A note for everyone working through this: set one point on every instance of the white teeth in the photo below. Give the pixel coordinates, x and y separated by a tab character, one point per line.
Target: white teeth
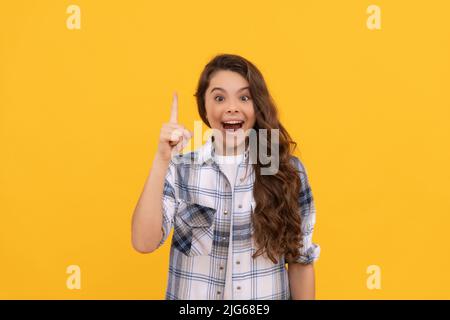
233	122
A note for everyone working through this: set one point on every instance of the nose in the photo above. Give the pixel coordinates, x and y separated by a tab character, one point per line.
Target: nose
232	109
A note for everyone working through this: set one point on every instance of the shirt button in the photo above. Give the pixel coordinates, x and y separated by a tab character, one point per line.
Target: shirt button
218	292
240	206
224	238
239	288
225	212
221	268
238	262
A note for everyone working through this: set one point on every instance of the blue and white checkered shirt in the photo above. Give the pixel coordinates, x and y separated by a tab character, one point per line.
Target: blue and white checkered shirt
200	204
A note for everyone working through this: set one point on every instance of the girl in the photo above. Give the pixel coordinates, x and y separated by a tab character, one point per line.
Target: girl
235	228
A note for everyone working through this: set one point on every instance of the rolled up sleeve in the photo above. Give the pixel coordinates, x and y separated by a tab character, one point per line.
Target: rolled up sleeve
310	251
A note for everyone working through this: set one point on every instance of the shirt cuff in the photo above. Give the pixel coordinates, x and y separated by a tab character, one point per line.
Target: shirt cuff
310	255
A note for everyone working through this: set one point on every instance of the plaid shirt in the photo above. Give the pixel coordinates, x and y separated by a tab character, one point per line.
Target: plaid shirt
200	204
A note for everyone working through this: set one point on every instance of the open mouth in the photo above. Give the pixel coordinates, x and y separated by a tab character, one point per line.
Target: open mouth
232	125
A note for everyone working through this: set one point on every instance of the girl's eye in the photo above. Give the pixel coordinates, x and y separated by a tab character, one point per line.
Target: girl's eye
218	97
246	98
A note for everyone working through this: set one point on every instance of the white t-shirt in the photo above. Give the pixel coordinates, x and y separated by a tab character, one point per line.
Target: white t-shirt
229	166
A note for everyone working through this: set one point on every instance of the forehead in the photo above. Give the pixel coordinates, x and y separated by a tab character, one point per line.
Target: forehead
228	80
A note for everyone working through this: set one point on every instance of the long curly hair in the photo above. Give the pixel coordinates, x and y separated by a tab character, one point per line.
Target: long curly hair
276	219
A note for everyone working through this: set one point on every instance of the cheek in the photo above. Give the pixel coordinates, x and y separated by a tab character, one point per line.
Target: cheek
210	112
213	119
251	117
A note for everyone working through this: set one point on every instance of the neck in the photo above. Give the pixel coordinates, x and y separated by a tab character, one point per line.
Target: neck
224	150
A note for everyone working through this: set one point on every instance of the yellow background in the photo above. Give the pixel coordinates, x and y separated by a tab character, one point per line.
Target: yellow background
81	110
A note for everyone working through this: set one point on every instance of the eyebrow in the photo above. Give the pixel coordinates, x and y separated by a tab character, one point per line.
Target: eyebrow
218	88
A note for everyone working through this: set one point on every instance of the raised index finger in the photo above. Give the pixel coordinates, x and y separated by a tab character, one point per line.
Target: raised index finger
174	109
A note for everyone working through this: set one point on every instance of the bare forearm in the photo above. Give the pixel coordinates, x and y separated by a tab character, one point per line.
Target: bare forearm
147	216
301	281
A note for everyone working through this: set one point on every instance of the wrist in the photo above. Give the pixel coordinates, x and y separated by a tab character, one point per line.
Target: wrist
160	161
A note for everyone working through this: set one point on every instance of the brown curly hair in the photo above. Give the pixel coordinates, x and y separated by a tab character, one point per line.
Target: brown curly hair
276	219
